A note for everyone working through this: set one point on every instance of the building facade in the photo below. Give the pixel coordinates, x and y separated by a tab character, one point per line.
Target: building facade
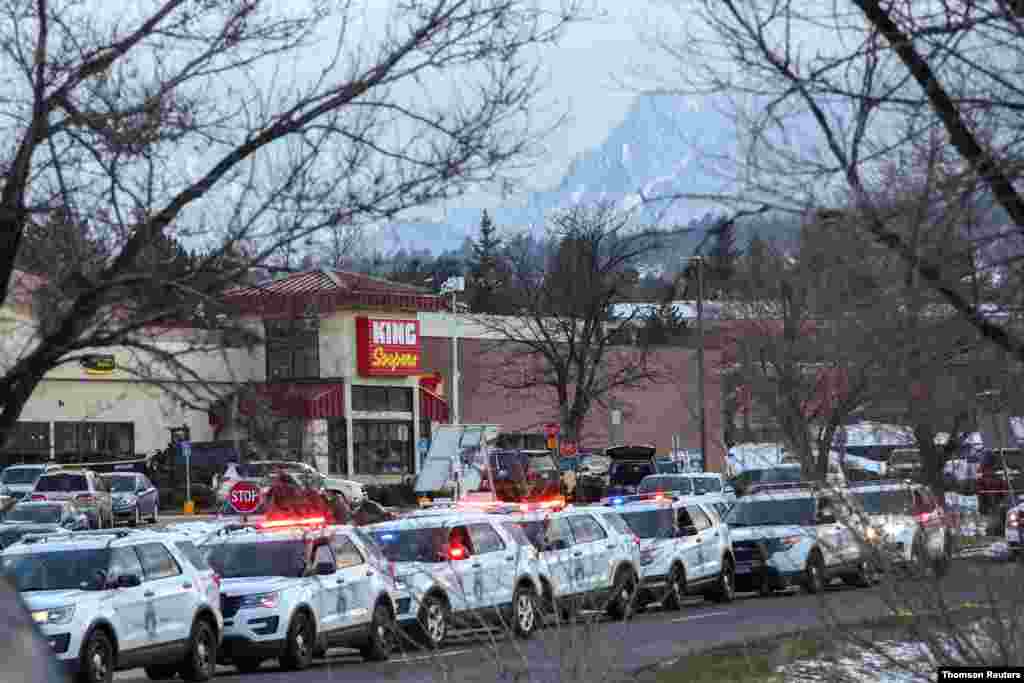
354	374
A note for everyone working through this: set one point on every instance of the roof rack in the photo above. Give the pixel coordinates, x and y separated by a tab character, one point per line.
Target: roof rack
879	482
112	534
783	486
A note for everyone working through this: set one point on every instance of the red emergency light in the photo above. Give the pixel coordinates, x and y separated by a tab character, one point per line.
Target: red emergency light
282	523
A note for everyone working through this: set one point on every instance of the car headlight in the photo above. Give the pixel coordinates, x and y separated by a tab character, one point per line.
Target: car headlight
127	500
264	600
55	616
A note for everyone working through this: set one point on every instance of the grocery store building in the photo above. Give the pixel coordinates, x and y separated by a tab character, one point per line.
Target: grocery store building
354	373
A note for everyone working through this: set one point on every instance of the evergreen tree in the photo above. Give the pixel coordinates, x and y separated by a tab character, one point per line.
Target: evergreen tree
722	261
486	275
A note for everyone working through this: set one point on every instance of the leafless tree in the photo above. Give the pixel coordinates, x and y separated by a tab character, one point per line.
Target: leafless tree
826	94
240	127
568	337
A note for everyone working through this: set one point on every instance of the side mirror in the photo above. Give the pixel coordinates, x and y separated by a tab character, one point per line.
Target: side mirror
326	568
128	581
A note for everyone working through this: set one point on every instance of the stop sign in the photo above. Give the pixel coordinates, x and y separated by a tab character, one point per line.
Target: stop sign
245	497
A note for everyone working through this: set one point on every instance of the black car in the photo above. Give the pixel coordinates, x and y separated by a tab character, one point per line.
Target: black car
629	466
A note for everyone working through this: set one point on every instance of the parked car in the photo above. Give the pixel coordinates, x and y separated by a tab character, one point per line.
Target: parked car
630	464
87	489
746	479
30	517
354	491
17	481
263	471
133	496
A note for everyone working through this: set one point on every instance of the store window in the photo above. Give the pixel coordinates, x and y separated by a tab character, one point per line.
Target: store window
381	399
293	349
93	441
383	447
27	442
337	443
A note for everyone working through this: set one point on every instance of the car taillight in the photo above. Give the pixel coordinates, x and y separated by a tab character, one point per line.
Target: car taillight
924	517
456	552
1012	519
216	581
38	496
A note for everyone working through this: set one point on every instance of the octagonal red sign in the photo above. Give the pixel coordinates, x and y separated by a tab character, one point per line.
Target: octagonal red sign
245	497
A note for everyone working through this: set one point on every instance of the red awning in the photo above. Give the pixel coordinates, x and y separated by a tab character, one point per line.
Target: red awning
314	401
433	407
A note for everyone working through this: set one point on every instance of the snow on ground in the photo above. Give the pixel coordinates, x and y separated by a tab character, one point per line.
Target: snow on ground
894	661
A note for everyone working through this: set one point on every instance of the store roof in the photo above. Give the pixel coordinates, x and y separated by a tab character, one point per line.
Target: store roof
328	290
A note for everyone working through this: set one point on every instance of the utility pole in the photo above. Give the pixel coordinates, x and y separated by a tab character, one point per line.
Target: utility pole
700	364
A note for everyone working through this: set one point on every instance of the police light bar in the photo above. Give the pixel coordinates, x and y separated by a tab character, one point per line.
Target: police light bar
639	498
284	523
505	507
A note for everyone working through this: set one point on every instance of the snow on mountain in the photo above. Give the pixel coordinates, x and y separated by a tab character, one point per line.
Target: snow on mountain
656	152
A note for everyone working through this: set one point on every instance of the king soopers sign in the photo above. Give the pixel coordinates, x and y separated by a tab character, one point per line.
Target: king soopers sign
387	348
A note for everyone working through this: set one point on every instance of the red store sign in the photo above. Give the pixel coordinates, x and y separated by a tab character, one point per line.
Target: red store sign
387	348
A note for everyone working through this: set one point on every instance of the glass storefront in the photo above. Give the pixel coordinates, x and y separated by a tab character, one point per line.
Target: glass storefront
93	441
28	443
383	447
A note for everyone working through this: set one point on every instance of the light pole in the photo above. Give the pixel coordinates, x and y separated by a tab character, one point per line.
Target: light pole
699	260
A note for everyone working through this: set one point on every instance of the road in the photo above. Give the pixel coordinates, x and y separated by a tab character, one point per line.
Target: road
605	650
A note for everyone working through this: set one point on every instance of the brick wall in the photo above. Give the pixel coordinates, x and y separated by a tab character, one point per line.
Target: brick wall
651	413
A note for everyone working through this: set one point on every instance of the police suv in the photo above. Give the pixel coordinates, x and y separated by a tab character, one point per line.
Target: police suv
795	534
904	521
684	548
292	589
589	557
461	570
114	600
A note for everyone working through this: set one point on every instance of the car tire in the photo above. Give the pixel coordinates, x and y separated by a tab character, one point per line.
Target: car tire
137	519
161	672
246	665
156	513
431	628
814	575
864	576
621	604
382	635
525	612
676	589
200	662
725	588
97	659
298	648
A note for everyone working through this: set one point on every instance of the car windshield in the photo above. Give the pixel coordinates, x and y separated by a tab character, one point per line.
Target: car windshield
44	514
20	475
674	484
411	545
250	471
542	462
58	570
650	523
774	512
630	473
892	502
667	466
775	474
270	558
703	485
62	482
122	484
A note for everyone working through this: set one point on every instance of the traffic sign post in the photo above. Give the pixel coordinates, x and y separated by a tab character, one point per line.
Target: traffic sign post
245	497
185	448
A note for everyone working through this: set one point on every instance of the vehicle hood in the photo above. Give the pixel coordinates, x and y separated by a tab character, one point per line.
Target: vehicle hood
49	599
757	533
631	452
31	527
249	585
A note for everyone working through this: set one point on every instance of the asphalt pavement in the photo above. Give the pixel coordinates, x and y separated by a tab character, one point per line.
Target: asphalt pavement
603	650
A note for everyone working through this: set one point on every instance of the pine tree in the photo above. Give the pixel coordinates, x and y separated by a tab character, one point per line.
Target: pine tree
486	273
722	260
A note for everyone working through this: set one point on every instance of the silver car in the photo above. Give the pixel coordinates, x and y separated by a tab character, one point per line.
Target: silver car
89	492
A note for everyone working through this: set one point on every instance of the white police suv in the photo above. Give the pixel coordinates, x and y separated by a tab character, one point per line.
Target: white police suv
114	600
461	570
589	558
292	589
904	521
795	534
684	548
